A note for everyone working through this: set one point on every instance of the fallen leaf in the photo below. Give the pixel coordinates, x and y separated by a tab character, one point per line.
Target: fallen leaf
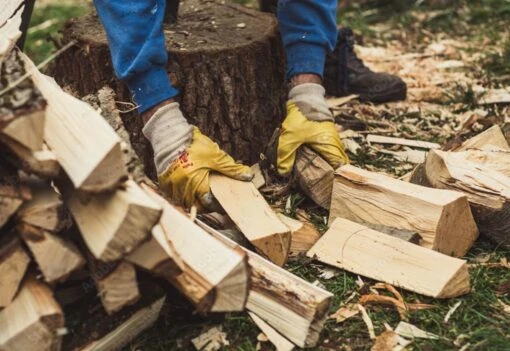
211	340
345	312
408	330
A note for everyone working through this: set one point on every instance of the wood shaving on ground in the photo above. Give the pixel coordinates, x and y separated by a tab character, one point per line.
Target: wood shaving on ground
503	263
345	312
504	307
390	341
339	101
411	331
401	306
211	340
451	311
368	321
327	273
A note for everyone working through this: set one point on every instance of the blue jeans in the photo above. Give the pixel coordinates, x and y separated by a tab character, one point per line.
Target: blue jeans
135	33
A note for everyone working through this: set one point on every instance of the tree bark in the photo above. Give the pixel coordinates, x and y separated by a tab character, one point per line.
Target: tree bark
226	59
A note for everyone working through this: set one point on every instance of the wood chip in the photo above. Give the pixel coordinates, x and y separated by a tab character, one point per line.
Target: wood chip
211	340
452	311
345	312
408	330
368	321
379	139
339	101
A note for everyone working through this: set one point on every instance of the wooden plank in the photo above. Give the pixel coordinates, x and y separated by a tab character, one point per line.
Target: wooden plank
252	214
32	321
113	224
304	235
491	136
379	139
361	250
74	129
46	209
117	286
487	190
279	342
315	176
56	256
211	275
14	261
290	305
140	321
442	218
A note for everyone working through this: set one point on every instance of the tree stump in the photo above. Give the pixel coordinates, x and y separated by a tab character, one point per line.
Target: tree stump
227	60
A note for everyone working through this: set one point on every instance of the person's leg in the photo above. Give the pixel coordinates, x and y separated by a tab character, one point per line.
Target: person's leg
137	45
308	29
183	156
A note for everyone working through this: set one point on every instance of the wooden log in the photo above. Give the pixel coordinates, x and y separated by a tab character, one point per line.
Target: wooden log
140	321
104	100
42	163
33	321
487	191
56	256
46	209
113	224
12	192
74	129
492	136
314	176
361	250
22	108
212	276
290	305
252	214
116	284
14	261
304	234
156	256
225	76
442	218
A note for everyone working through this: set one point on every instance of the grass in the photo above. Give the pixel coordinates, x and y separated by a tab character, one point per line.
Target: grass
479	321
47	20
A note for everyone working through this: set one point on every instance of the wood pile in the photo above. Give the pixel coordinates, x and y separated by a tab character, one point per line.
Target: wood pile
80	231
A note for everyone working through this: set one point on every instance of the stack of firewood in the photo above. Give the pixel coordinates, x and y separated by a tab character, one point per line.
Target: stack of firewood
72	211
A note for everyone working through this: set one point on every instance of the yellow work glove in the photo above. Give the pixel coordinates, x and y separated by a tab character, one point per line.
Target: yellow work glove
186	180
321	136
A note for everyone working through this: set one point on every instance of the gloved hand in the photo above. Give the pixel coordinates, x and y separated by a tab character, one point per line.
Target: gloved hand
186	180
319	134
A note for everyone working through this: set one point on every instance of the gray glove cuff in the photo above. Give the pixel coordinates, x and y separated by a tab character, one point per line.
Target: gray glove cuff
169	133
309	97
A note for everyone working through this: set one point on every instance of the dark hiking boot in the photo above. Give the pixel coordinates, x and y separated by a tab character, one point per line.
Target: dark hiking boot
345	74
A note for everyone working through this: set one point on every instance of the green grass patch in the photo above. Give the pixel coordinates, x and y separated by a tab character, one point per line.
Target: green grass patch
45	24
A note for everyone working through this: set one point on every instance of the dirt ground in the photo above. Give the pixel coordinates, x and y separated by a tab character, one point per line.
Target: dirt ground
455	59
